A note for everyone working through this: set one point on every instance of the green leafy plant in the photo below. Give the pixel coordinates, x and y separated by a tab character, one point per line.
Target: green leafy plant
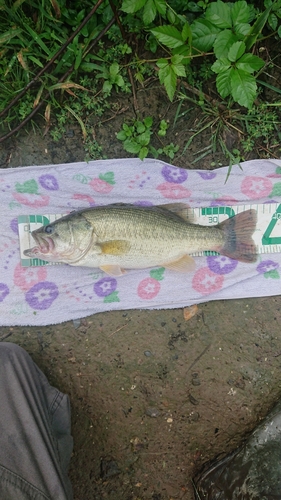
170	150
112	77
163	127
226	30
275	15
260	125
136	137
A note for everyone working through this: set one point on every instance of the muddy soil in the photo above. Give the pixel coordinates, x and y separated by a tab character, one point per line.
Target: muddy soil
153	396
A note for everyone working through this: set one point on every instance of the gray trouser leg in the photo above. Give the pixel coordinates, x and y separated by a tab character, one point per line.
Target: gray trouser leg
35	440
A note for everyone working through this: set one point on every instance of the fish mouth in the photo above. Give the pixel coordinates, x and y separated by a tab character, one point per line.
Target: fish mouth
45	245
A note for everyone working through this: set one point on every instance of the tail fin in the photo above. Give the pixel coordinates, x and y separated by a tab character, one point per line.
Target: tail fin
238	230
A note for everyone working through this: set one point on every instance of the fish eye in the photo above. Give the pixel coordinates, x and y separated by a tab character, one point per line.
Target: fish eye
48	229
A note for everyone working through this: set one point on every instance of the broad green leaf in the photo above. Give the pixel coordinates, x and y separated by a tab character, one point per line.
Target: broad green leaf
203	34
149	12
170	83
176	59
179	69
177	65
122	136
273	21
148	121
240	12
168	35
140	127
132	6
223	83
236	51
279	31
161	63
119	81
243	87
186	32
114	69
131	147
250	63
224	40
171	16
220	65
219	14
107	86
185	52
257	28
143	153
161	6
144	139
127	129
164	70
242	29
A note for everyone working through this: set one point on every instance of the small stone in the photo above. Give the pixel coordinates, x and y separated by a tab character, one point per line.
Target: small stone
195	379
148	354
193	400
152	412
76	323
108	468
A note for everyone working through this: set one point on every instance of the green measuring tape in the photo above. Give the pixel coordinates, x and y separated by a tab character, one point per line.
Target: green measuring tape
267	235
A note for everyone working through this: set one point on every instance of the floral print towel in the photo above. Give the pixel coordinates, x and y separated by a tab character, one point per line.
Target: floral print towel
52	294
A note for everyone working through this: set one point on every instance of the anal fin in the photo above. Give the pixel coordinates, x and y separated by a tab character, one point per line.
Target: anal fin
185	264
113	270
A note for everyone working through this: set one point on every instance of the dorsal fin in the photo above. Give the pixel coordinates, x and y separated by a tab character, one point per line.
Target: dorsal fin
182	210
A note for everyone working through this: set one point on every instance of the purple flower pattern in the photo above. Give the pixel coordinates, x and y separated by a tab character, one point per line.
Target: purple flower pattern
49	182
174	174
220	264
42	295
14	225
4	291
207	175
105	286
267	265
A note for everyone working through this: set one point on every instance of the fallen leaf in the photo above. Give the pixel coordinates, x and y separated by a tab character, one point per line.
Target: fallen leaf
189	312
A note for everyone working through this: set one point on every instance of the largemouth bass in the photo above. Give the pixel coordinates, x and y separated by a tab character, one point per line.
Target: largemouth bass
119	237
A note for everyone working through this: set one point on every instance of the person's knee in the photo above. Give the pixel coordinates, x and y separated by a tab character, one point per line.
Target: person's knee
9	349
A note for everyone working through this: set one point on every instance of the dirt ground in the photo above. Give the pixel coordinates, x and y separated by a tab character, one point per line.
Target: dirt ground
153	396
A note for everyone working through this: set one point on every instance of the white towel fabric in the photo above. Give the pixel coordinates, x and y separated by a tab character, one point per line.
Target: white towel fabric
52	294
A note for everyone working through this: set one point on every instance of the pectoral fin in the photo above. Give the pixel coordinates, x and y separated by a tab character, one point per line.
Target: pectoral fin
185	264
115	247
112	270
